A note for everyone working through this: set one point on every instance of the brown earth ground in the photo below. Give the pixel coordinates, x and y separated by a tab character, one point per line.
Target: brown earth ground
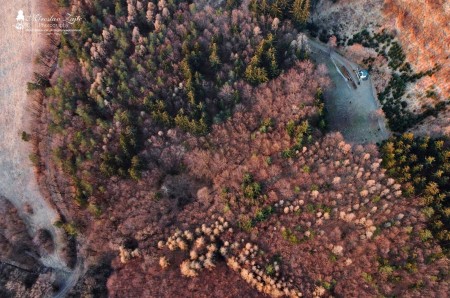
17	179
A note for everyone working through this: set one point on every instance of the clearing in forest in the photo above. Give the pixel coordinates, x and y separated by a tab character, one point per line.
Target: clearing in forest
352	109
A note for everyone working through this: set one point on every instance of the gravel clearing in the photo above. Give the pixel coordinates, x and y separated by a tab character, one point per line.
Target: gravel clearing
353	112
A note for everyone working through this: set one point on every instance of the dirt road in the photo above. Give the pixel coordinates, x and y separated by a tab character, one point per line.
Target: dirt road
351	111
17	179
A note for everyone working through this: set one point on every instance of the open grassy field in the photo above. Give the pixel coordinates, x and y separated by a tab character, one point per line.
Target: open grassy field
17	179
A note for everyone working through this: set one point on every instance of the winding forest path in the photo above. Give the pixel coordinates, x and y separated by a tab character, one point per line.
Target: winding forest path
17	179
353	112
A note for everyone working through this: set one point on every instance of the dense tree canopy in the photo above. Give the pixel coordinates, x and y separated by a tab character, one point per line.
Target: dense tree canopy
168	62
201	127
423	165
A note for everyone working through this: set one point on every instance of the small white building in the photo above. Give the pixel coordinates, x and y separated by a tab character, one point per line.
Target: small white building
363	74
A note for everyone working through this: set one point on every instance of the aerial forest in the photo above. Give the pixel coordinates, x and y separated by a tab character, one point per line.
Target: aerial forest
189	148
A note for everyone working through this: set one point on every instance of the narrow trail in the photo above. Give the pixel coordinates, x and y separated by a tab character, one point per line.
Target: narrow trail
17	179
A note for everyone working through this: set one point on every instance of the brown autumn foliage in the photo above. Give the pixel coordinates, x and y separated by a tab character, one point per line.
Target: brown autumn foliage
347	229
15	282
241	146
16	243
340	226
19	265
362	218
424	33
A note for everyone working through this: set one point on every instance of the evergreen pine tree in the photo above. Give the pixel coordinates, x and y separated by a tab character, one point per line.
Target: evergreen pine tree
300	10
